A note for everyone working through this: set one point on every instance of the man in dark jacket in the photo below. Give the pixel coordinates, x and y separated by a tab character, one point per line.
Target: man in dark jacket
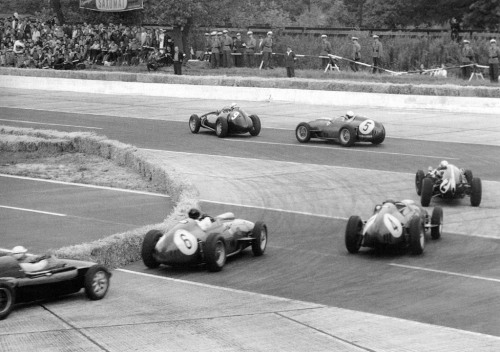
467	59
178	59
290	62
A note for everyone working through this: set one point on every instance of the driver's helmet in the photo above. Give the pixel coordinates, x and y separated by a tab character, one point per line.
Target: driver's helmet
349	114
443	164
234	106
194	213
18	252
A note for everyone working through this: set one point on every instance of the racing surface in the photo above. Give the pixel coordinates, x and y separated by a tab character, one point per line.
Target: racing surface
456	283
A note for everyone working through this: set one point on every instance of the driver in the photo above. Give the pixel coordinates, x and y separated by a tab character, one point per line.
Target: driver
203	220
348	115
226	109
29	262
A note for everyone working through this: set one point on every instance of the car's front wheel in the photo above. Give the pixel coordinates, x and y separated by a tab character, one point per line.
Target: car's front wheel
221	127
303	132
476	192
259	234
215	252
148	248
96	282
256	125
380	137
194	123
419	177
417	236
7	299
353	234
426	192
347	136
437	223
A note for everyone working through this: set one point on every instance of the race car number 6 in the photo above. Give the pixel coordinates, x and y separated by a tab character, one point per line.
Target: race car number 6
185	242
366	127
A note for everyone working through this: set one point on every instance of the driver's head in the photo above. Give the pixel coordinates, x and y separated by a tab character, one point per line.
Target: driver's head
19	252
234	106
194	213
443	164
349	114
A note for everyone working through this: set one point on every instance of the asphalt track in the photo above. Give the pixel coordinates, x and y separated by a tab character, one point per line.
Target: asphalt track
455	284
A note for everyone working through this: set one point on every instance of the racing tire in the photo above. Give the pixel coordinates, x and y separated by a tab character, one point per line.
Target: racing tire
437	222
259	233
380	137
353	234
148	248
426	192
96	282
221	127
476	192
7	300
468	176
194	123
303	132
215	252
347	136
417	236
419	177
256	125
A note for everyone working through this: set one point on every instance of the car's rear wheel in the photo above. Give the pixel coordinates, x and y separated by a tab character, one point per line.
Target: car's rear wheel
215	252
380	137
259	234
96	282
353	234
347	136
148	248
419	177
437	223
221	127
7	299
194	123
256	125
417	236
426	192
303	132
476	192
468	176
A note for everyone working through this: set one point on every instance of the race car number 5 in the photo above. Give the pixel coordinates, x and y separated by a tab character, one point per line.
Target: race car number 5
366	127
185	242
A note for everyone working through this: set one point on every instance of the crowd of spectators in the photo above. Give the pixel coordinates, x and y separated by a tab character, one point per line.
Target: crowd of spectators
31	42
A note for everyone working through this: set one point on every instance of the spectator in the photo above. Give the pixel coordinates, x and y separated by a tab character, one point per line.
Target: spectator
377	52
290	62
493	56
267	50
178	58
455	29
250	49
356	54
239	50
227	47
207	47
467	60
326	49
215	56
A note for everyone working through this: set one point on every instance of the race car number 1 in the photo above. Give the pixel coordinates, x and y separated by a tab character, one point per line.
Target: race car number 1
185	242
366	127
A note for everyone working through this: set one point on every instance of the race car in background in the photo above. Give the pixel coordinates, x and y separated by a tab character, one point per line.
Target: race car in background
346	130
402	224
448	182
229	120
202	239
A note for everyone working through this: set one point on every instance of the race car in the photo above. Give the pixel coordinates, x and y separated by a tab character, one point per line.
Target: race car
448	182
203	239
68	276
346	130
228	120
402	224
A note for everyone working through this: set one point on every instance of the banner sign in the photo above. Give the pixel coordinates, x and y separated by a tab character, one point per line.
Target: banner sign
112	5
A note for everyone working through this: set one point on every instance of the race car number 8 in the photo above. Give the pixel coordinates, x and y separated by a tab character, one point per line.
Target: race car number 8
366	127
185	242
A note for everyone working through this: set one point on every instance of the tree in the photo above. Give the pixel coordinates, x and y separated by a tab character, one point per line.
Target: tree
484	14
357	7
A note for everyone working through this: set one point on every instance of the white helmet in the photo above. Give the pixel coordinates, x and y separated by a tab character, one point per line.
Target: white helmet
443	163
349	114
234	106
18	252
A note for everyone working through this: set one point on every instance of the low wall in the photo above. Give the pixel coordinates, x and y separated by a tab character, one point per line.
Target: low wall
118	249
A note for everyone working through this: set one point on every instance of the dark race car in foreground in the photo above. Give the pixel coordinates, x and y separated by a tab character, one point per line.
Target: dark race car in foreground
203	240
401	224
229	120
69	276
448	182
346	130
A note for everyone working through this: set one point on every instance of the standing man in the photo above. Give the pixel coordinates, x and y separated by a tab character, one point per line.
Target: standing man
178	59
467	59
267	50
250	49
326	49
208	47
493	54
356	54
215	56
377	53
239	50
227	48
290	62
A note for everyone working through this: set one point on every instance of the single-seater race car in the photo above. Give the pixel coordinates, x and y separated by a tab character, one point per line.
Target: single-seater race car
229	120
203	239
402	224
346	130
63	278
449	182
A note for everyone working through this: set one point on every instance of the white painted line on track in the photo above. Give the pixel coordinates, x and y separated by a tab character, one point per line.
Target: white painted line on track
342	149
32	210
50	124
446	272
87	186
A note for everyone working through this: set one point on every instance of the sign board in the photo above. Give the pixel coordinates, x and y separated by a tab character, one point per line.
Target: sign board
112	5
